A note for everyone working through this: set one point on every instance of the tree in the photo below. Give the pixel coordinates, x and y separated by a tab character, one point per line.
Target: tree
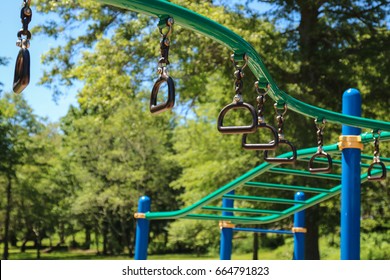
17	124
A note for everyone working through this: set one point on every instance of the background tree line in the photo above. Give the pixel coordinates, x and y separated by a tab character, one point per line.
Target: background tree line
86	173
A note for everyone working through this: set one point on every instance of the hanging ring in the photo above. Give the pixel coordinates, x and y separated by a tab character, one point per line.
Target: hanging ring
159	108
320	154
260	147
22	71
237	129
377	164
289	160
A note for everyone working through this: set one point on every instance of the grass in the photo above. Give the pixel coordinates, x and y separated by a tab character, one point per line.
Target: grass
375	246
281	253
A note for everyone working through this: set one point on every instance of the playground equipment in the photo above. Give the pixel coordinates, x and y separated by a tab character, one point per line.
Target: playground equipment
350	145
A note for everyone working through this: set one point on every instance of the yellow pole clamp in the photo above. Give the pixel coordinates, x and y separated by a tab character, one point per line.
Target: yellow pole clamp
350	141
226	224
139	215
299	229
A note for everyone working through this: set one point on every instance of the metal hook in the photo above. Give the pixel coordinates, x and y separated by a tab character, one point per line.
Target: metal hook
245	58
376	161
320	153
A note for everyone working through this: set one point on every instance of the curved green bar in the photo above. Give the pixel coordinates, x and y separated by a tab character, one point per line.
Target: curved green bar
198	23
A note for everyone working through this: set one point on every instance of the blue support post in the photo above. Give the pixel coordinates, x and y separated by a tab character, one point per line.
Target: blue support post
142	232
299	230
350	182
225	251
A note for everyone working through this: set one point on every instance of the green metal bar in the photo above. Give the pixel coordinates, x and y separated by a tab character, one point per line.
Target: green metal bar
286	187
231	186
309	203
371	157
304	173
241	210
233	219
198	23
338	162
264	199
176	214
367	137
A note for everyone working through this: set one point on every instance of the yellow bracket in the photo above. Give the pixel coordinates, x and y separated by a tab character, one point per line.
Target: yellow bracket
299	229
226	224
139	215
350	141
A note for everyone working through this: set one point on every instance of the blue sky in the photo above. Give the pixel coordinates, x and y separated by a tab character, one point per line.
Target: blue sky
39	97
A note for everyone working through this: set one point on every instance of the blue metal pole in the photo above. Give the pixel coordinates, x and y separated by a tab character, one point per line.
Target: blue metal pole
350	182
225	251
299	230
142	232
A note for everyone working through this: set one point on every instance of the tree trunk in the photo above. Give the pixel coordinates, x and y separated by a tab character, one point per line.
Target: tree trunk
62	233
7	218
105	237
312	251
255	246
23	248
38	243
87	243
96	229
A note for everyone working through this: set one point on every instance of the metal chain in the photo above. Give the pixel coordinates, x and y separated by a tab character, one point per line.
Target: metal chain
280	120
376	146
260	102
320	134
238	82
25	16
164	46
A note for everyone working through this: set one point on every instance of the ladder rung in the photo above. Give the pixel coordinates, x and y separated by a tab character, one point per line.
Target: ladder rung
260	230
241	210
264	199
304	173
371	157
286	187
234	219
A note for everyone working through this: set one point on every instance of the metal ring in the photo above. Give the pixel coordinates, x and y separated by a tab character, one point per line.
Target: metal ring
289	160
237	129
327	169
377	178
259	147
159	108
22	71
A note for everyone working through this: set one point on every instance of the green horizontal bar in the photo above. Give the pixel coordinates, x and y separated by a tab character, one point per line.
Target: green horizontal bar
264	199
233	219
217	32
367	137
339	162
371	157
285	187
304	173
241	210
